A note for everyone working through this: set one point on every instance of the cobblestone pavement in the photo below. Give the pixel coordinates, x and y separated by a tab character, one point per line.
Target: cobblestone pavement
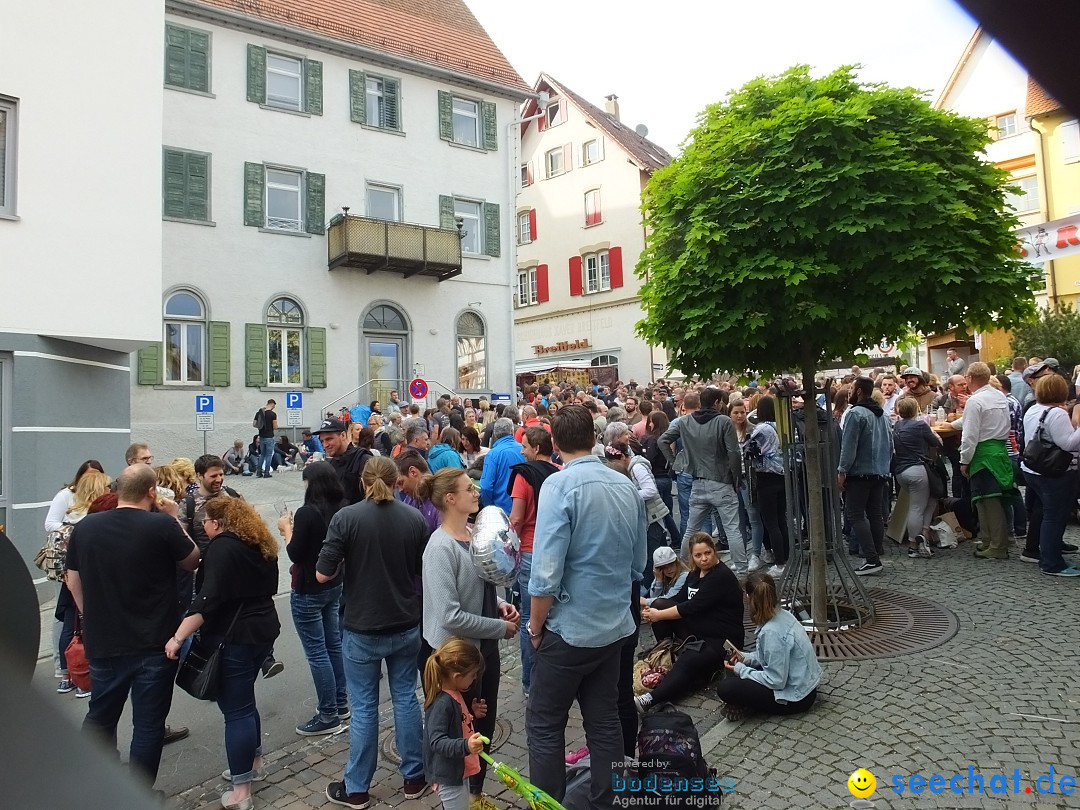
1001	695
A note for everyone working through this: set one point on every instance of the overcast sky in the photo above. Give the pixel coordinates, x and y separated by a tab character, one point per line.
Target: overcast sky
667	60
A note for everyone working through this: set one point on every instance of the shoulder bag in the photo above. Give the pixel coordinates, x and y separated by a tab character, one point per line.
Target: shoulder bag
1044	457
199	673
77	663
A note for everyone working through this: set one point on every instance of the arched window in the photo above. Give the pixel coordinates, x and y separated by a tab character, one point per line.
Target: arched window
471	352
284	342
604	360
185	338
385	318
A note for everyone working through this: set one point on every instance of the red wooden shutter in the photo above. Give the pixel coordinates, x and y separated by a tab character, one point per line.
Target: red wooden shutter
575	275
532	224
530	170
615	266
568	156
542	295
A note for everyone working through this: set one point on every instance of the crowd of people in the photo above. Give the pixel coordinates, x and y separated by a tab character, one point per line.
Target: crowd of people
381	575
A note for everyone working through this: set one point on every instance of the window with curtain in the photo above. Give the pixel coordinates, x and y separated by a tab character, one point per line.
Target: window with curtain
471	353
185	338
284	343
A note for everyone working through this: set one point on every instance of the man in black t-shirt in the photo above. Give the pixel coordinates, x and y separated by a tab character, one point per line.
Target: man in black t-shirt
122	574
348	460
265	422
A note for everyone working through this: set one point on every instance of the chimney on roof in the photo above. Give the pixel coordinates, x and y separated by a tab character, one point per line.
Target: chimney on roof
611	106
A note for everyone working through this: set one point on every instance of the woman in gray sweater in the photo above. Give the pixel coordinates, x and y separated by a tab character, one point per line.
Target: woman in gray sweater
458	603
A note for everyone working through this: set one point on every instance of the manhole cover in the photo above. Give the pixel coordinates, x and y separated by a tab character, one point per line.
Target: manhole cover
388	745
903	623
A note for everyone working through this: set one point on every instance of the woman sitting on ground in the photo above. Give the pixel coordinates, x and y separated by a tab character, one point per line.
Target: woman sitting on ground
709	607
782	675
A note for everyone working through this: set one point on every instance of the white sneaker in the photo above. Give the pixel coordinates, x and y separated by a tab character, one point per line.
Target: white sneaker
776	571
767	557
754	563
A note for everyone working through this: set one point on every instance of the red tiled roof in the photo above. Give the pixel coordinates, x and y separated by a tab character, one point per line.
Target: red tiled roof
1039	102
439	32
646	154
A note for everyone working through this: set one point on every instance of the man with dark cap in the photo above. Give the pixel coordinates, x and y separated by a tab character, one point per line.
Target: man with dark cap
347	459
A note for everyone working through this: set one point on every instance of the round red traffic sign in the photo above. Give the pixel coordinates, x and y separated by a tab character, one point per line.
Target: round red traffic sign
418	388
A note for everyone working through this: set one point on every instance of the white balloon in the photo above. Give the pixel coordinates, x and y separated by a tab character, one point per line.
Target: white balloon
495	547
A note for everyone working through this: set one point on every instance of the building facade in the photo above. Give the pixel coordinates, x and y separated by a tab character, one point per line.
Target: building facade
80	242
336	203
579	236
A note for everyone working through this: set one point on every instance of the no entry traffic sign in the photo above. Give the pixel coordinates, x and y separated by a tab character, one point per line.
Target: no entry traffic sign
418	389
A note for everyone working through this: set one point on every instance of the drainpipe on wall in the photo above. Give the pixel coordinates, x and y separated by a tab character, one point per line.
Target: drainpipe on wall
1044	212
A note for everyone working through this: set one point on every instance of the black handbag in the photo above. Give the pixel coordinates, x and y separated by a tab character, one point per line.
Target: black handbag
199	673
1044	457
936	477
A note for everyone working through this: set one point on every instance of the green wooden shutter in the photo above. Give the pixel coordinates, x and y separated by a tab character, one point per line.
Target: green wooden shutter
176	56
173	183
491	126
316	357
149	365
446	116
254	192
220	355
492	231
446	212
198	66
313	87
358	96
254	355
198	186
315	207
256	74
391	104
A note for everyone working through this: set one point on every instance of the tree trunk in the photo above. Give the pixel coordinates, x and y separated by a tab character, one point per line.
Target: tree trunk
814	486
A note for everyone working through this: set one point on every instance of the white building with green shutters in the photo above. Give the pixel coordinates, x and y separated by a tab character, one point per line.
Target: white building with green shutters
336	198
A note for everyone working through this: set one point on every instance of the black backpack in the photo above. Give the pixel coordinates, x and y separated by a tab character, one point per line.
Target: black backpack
259	422
671	767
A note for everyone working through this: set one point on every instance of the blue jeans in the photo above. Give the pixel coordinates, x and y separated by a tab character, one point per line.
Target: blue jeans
149	680
716	498
266	453
663	486
1015	513
364	654
1055	496
315	616
684	484
756	531
526	610
243	728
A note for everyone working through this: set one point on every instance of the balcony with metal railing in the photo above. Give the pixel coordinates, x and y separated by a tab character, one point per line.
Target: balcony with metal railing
371	245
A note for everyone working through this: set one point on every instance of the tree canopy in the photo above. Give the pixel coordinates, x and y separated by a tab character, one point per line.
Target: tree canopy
1055	334
825	213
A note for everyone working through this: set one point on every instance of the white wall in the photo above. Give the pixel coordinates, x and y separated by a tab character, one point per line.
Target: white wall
86	248
239	269
606	319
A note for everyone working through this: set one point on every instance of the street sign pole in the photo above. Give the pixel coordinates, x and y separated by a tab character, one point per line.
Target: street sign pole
294	402
204	416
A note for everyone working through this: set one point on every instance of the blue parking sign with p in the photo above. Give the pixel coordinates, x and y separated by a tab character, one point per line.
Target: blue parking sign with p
294	399
204	403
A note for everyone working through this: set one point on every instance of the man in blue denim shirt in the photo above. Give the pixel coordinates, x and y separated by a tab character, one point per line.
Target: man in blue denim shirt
588	550
863	471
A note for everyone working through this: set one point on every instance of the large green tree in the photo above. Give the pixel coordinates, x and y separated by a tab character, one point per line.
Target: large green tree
809	216
1055	334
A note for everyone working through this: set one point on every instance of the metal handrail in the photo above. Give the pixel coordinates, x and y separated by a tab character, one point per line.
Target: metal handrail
402	383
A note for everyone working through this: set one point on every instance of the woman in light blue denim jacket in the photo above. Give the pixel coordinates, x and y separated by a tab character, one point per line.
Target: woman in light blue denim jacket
782	675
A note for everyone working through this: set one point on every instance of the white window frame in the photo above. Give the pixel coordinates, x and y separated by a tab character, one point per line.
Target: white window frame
8	199
527	292
467	217
554	106
585	161
475	346
284	223
549	163
525	175
183	323
524	228
596	268
286	329
1010	122
473	115
384	188
374	96
285	104
1070	141
1030	199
